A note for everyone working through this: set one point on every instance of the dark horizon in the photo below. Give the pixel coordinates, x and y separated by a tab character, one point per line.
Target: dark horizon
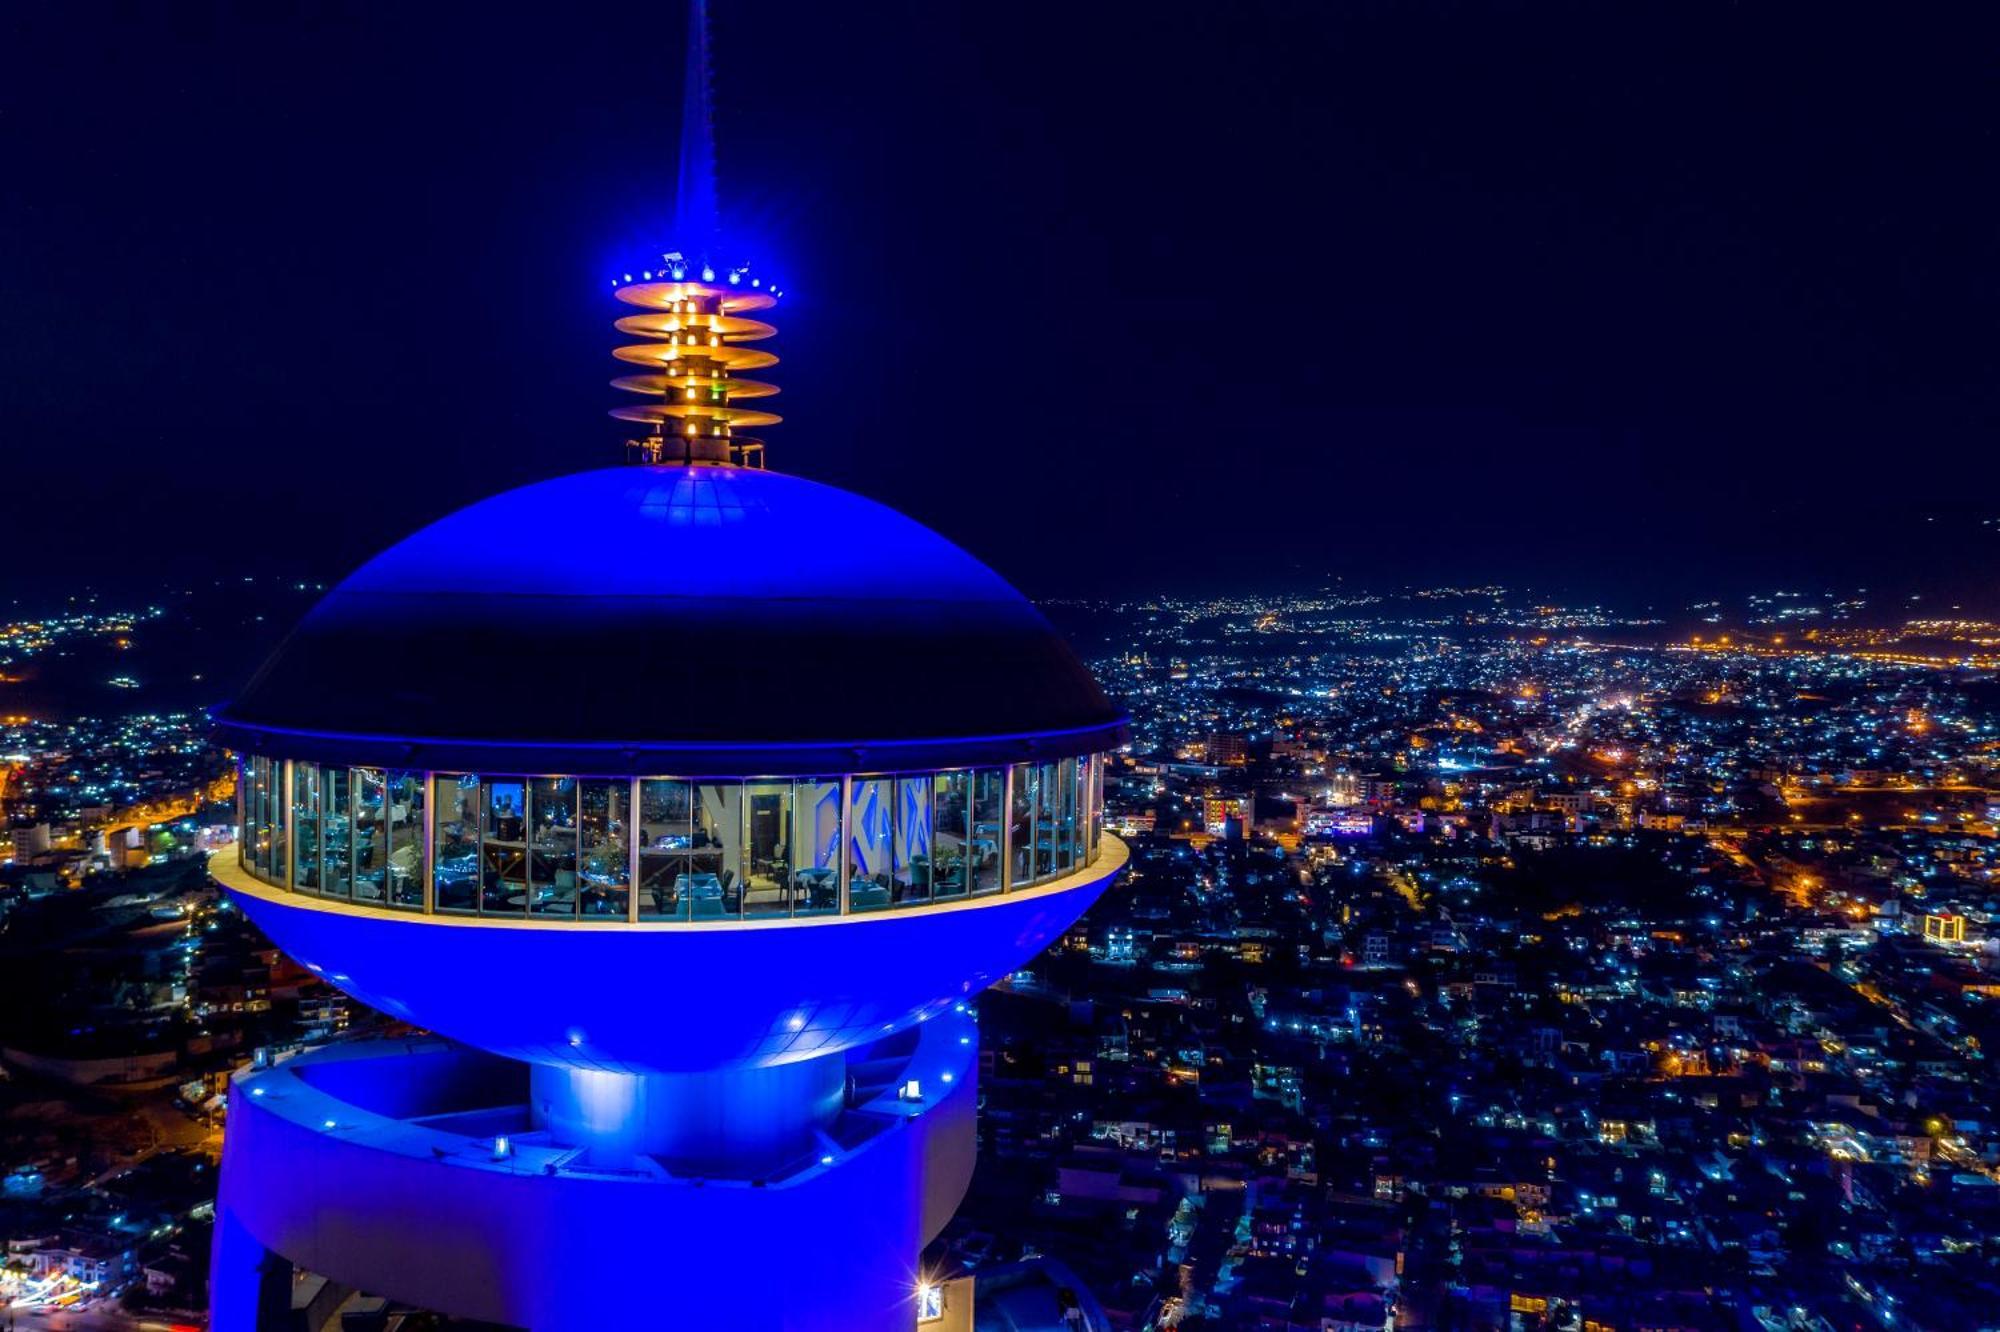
1631	306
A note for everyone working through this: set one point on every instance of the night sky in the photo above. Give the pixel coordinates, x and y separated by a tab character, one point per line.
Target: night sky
1634	301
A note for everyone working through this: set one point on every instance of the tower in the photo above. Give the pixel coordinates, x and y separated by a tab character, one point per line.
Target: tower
691	805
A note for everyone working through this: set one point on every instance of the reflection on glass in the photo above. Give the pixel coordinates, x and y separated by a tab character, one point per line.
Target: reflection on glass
666	837
552	864
914	840
714	882
246	830
369	856
406	839
951	832
305	826
1095	767
1021	825
604	826
1059	782
988	815
334	786
456	840
767	813
274	807
260	848
816	846
871	828
503	842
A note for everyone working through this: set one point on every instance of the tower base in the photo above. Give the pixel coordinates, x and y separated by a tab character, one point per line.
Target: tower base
456	1182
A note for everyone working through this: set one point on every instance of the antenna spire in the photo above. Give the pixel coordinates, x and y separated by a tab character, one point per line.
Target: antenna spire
697	214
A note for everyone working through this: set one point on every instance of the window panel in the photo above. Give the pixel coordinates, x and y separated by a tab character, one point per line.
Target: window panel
871	826
244	820
1096	769
371	857
715	878
552	862
337	819
988	822
275	866
768	861
914	848
1048	836
816	842
260	831
306	827
666	839
250	771
1064	826
951	833
455	843
1021	825
405	820
503	844
605	826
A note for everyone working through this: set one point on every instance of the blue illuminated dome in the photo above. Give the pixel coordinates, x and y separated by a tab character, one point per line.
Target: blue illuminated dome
619	734
735	619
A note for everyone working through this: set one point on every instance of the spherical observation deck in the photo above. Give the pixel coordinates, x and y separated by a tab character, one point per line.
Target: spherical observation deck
715	766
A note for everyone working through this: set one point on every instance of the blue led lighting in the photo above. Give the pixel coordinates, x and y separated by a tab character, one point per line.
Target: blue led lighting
389	742
681	532
680	997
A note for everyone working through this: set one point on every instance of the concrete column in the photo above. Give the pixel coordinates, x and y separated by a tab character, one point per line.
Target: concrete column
249	1287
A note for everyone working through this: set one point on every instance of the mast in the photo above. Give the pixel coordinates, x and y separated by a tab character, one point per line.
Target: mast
695	301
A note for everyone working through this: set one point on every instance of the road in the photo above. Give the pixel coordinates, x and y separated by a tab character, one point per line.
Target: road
85	1320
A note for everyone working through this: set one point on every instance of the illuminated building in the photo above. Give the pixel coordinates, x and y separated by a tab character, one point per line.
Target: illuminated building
690	804
1948	927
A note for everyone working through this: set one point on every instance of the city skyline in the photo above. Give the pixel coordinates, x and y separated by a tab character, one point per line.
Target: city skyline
1690	304
933	668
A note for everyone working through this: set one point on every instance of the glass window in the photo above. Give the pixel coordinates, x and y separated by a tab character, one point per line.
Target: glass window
455	843
1049	837
1064	828
503	842
767	812
305	826
275	866
914	849
263	832
715	878
370	854
816	846
405	819
988	815
251	773
951	814
1097	805
605	826
666	838
552	864
567	847
335	784
871	827
1021	825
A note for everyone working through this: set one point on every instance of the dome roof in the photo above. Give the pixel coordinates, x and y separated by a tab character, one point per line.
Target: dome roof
678	620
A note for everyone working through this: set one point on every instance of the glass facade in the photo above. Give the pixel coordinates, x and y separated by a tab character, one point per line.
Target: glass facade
664	848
